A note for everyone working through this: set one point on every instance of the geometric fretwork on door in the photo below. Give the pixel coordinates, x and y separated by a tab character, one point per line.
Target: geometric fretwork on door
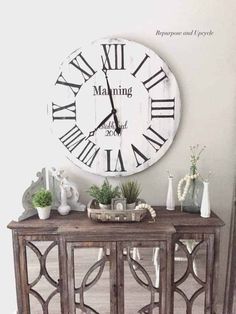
190	283
90	273
45	287
144	281
88	282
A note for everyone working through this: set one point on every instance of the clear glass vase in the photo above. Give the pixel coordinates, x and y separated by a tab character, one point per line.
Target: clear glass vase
193	199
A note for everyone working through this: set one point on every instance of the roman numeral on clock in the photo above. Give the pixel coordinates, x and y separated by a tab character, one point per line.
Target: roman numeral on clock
67	112
119	164
75	139
139	156
152	80
83	66
74	87
157	142
140	65
114	56
163	108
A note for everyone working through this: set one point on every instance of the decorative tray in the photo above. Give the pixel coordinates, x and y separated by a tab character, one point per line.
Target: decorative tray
111	215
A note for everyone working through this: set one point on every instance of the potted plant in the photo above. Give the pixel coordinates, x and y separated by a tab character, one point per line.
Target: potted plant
130	190
42	201
104	194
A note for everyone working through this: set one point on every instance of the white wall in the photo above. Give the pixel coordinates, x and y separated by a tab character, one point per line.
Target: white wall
37	35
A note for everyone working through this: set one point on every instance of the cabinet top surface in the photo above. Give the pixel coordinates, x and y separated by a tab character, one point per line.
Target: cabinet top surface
167	221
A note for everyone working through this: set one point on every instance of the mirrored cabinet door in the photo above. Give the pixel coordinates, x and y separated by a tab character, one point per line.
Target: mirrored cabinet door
42	277
142	277
193	273
92	277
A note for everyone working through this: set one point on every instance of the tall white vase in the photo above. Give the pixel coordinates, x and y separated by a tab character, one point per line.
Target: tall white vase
205	205
64	208
170	199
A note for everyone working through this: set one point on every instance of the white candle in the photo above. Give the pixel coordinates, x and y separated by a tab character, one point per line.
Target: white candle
47	178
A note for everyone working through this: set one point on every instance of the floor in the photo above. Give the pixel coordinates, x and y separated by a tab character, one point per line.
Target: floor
98	296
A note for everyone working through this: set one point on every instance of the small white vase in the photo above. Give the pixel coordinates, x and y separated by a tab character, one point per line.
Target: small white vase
64	209
170	200
44	212
205	205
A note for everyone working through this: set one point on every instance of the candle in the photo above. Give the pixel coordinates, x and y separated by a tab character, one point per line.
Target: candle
47	178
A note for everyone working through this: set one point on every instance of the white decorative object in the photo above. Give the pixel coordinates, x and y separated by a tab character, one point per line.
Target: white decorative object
64	208
47	178
44	212
205	205
115	107
149	208
72	193
29	210
170	200
187	179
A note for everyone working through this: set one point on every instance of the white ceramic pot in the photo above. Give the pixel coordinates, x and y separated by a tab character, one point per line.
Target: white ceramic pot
44	212
131	205
105	206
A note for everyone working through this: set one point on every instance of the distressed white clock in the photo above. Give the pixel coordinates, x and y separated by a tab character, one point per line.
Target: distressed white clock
115	107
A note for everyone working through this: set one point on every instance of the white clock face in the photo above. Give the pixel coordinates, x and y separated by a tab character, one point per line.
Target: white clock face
115	107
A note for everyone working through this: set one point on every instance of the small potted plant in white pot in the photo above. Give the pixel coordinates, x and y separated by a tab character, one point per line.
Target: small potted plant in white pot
104	194
42	201
130	190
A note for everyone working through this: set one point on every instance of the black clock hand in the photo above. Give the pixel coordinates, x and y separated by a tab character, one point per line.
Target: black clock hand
100	124
117	129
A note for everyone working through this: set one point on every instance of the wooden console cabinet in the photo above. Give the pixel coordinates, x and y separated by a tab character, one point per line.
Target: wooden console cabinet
174	233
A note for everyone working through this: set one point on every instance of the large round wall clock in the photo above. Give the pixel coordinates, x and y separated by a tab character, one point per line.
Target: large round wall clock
115	107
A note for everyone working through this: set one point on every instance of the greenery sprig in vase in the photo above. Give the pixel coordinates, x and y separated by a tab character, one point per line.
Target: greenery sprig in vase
190	187
104	193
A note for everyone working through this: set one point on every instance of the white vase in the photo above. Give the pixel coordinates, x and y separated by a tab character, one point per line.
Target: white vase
64	208
205	205
170	200
44	212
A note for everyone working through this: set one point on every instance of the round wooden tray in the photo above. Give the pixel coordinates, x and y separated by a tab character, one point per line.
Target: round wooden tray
109	215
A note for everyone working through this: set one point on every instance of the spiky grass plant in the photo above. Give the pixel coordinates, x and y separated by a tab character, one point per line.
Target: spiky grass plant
130	190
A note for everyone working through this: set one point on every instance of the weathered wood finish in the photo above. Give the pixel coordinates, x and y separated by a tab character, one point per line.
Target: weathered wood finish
76	230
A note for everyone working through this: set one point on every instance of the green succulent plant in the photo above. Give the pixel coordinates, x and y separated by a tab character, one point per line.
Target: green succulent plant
105	193
42	198
130	190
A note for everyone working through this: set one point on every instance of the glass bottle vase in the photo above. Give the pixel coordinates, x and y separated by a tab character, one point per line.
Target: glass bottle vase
193	199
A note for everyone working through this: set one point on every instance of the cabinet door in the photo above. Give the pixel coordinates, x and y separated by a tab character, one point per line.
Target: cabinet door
40	275
193	289
92	277
142	277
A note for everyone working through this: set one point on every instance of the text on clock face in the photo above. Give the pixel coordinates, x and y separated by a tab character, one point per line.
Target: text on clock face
123	91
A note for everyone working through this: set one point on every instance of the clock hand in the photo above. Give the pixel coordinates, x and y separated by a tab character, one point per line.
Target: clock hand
117	129
91	133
